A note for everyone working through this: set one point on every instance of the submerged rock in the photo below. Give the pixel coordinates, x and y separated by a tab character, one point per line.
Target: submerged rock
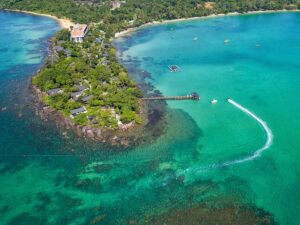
233	215
90	133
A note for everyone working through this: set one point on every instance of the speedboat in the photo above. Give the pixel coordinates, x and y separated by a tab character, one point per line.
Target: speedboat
214	101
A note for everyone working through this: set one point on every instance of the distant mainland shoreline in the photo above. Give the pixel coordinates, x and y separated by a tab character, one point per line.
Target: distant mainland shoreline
133	29
66	23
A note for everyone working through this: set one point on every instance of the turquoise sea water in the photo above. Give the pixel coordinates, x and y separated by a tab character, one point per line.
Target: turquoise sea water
50	178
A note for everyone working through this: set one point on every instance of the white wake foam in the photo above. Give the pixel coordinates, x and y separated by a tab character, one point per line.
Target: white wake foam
254	155
258	152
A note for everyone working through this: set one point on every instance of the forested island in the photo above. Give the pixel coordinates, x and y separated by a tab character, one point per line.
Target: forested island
84	81
86	77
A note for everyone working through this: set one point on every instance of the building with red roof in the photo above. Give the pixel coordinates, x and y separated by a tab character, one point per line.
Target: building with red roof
78	33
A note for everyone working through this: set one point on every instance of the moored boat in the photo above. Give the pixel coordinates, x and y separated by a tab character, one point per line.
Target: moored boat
174	68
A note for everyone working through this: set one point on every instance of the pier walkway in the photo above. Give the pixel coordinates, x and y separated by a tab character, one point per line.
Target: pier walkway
193	96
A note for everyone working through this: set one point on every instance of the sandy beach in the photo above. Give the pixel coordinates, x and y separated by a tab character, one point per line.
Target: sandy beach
129	30
63	22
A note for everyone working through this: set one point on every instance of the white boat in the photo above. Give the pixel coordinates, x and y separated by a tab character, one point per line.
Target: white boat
214	101
195	39
226	41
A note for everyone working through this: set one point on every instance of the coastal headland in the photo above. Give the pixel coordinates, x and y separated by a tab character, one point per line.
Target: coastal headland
207	161
96	94
155	23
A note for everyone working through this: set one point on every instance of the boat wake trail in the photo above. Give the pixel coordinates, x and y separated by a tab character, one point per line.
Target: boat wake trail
254	155
258	152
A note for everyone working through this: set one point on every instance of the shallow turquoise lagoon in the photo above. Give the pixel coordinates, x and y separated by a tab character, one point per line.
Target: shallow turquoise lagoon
49	178
259	68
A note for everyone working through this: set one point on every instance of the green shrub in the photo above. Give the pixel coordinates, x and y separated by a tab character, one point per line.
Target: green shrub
81	119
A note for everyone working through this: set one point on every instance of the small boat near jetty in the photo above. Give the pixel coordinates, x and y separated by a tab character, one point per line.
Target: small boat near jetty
174	68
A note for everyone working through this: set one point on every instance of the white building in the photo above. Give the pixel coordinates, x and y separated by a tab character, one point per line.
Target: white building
117	4
78	33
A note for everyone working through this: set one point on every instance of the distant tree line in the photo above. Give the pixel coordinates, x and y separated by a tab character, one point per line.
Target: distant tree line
142	11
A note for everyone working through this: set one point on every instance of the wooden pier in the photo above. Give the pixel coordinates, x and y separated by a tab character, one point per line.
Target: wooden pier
193	96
